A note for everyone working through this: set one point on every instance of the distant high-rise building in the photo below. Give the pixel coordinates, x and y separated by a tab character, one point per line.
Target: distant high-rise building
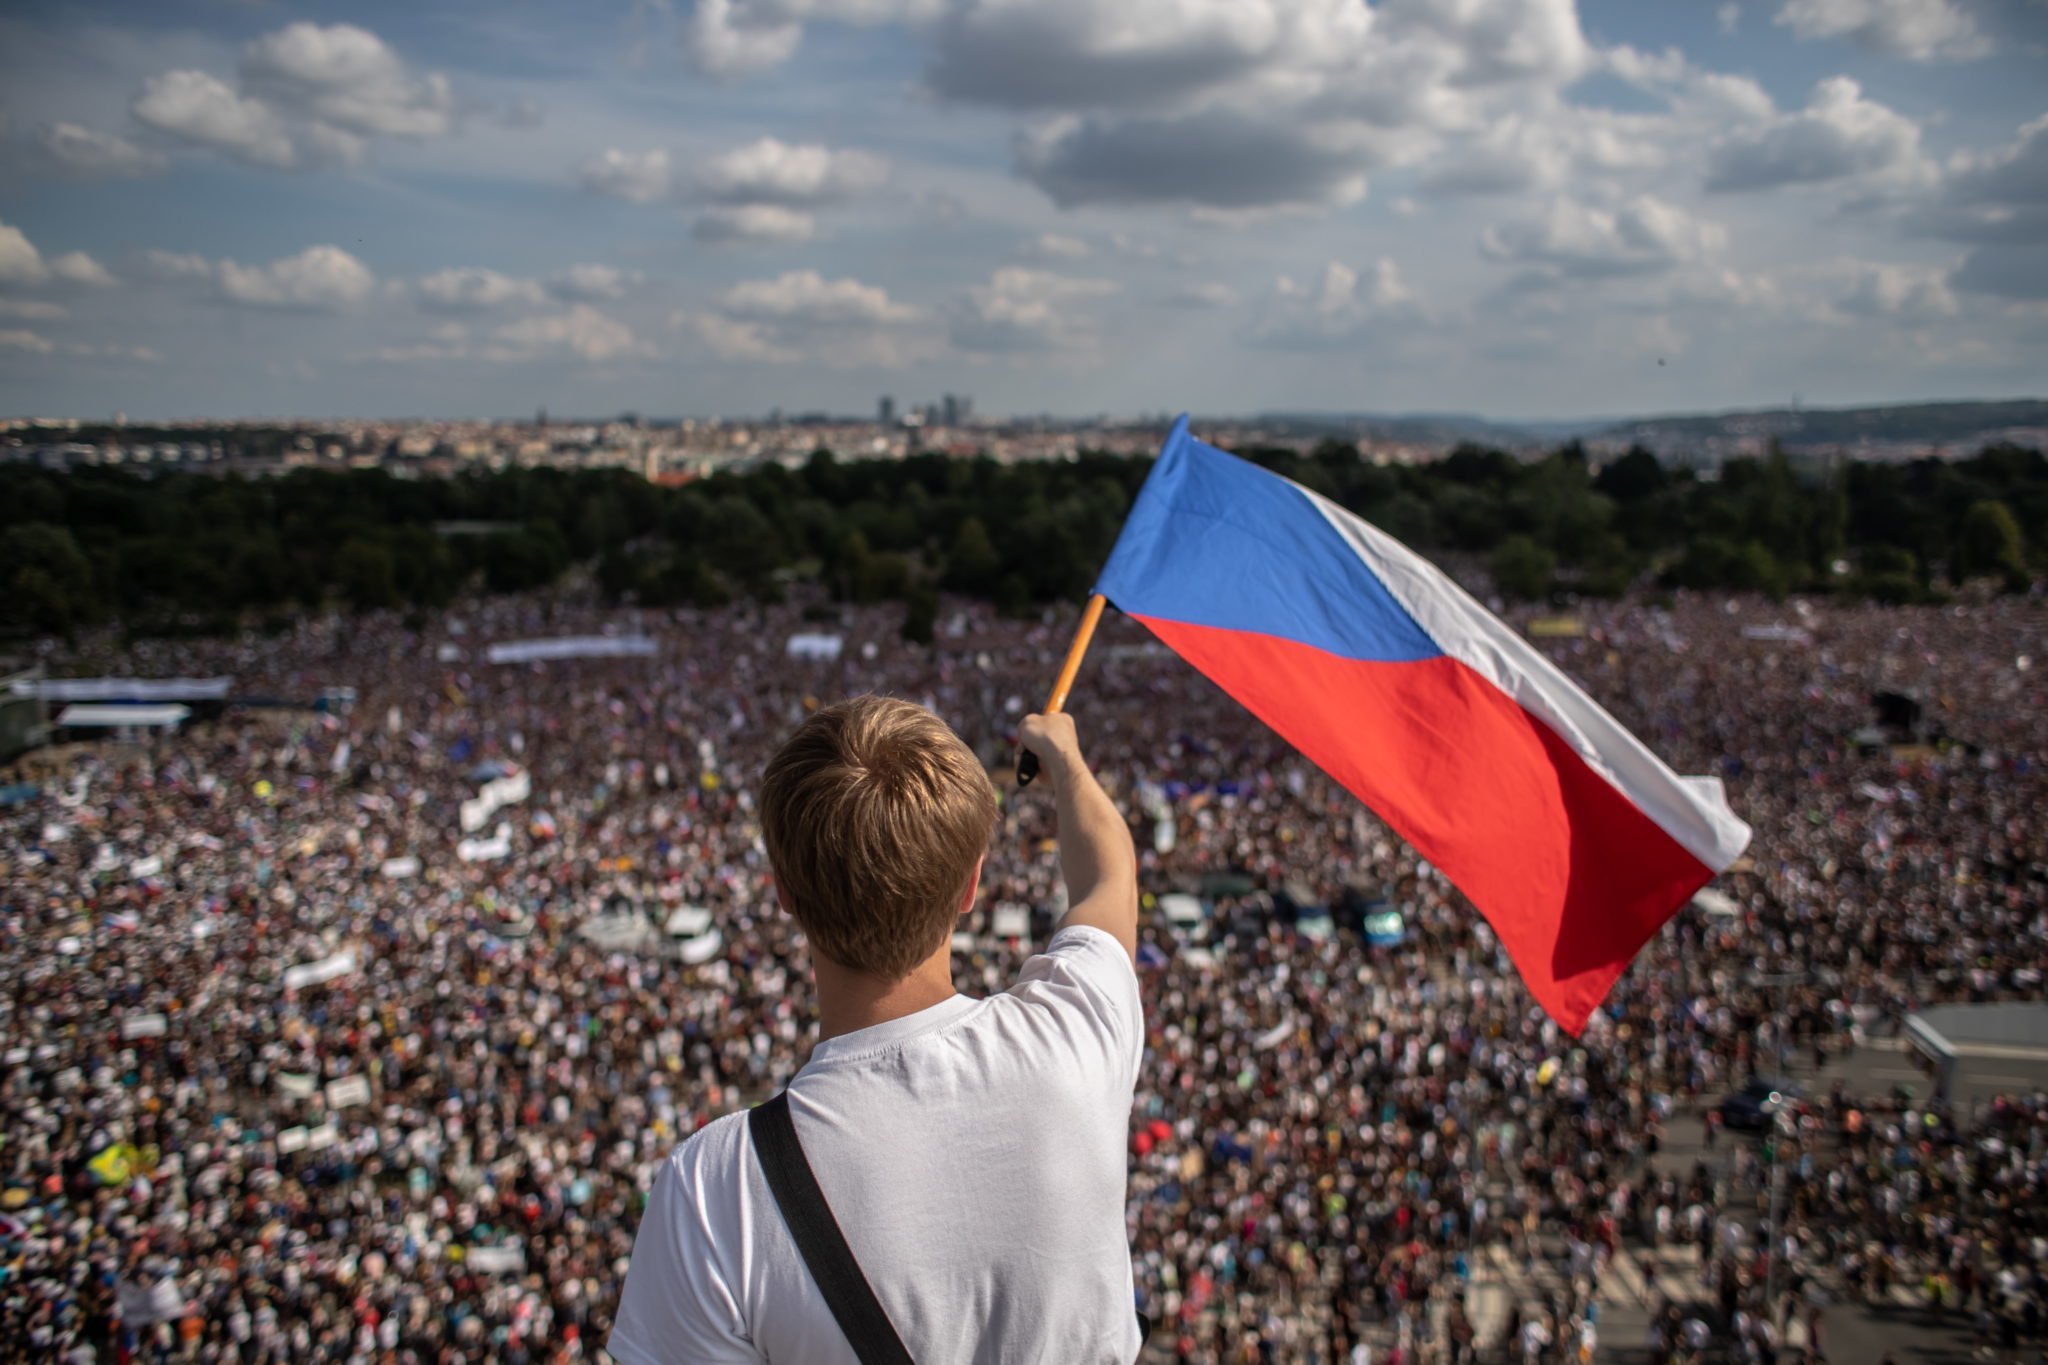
956	409
540	419
885	411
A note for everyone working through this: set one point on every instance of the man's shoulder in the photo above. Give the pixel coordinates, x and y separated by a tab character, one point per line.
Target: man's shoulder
713	1157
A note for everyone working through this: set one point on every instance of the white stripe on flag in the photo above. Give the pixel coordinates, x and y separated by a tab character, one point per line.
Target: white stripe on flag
1699	821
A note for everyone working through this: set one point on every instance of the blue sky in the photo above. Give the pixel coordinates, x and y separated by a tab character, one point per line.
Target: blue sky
1519	208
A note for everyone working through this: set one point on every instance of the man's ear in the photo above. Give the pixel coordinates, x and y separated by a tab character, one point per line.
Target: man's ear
973	886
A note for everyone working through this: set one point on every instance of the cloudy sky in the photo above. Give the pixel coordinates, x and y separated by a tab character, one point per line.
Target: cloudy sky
1521	208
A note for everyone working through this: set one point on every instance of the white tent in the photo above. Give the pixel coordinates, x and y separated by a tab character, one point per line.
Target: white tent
124	715
125	689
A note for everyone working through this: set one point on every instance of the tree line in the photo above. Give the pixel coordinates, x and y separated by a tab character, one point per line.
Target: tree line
181	552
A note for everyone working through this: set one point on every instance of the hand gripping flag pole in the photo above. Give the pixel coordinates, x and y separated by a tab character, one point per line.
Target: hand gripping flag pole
1027	762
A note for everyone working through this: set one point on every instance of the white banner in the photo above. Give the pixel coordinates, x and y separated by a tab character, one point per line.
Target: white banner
146	867
398	869
496	1260
815	645
348	1091
696	951
294	1086
144	1026
499	845
313	973
145	1305
498	792
571	647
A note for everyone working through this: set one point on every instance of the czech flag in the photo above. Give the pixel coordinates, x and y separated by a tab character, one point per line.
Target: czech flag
1574	840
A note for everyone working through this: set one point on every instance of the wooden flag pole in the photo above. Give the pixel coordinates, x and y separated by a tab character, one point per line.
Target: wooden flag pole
1027	762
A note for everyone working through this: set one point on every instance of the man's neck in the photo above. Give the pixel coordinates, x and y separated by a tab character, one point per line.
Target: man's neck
850	1000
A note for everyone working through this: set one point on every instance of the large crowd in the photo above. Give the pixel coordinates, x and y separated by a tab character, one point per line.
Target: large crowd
435	1146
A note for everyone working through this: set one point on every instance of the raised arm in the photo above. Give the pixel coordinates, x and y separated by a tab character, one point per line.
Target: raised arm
1096	855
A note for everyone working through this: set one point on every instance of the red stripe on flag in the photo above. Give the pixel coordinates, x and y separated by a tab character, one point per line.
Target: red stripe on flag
1573	876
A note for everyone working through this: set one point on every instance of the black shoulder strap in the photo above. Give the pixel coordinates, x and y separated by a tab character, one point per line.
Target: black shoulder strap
817	1236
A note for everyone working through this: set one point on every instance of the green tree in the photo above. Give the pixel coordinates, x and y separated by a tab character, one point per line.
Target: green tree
366	574
1522	569
1989	545
972	565
46	580
921	615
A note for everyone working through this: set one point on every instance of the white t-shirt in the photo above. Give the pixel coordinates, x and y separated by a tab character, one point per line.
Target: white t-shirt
974	1155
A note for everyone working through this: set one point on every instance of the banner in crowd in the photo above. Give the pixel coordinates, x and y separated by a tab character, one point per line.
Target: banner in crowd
314	973
494	794
499	845
571	647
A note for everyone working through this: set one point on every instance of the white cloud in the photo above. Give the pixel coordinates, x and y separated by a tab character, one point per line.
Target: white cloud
1646	235
1729	16
594	283
1998	201
32	310
1218	159
86	152
200	109
1341	309
1543	150
473	289
1922	30
1028	310
22	339
1055	246
726	45
582	331
22	264
794	175
800	314
754	223
636	177
2000	196
309	96
1208	295
318	278
75	267
170	266
1910	292
1224	104
733	339
349	79
732	38
1838	135
808	297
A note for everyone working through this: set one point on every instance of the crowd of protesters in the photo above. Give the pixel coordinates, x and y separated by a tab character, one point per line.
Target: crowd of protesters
436	1146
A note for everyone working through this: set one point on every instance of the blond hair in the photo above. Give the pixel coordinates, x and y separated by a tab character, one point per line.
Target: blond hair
876	817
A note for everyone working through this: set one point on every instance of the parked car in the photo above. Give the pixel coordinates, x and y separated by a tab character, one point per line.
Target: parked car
1753	1107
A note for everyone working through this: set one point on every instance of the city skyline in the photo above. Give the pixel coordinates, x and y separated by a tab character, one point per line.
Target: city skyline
1518	209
